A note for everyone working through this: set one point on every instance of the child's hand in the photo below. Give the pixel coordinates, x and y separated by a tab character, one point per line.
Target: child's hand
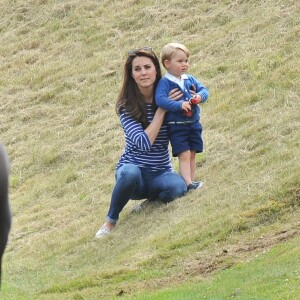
186	106
196	99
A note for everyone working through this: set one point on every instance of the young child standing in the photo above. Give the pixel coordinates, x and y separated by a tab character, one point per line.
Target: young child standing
183	116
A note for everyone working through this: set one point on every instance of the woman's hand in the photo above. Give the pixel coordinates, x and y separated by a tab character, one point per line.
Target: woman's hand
175	94
193	90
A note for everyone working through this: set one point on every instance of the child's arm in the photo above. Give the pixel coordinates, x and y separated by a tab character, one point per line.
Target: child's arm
200	90
162	98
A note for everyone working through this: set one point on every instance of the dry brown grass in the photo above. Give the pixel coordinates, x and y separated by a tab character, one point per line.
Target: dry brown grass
61	66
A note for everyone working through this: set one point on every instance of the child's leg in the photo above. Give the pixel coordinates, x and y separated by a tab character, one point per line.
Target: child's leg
193	165
185	166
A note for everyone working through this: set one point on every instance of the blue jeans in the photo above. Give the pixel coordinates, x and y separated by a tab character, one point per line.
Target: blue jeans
135	183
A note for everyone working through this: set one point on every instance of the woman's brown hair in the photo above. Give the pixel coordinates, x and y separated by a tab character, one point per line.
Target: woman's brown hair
130	97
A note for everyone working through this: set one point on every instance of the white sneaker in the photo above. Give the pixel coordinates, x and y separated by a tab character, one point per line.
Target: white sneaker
103	231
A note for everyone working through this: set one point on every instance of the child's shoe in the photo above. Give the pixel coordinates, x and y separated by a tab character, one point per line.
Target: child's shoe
195	185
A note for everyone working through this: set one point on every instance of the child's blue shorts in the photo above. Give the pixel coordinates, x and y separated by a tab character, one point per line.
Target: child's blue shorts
185	137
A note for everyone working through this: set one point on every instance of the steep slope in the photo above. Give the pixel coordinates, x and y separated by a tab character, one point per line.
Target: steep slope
61	67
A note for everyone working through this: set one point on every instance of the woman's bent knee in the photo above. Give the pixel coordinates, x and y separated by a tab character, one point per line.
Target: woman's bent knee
129	172
176	188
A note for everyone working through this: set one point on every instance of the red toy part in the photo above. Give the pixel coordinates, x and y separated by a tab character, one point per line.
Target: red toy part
188	113
193	101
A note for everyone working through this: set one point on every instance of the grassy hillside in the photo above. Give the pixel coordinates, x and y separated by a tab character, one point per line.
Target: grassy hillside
61	68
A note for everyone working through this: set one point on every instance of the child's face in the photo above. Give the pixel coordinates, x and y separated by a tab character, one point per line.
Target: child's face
178	64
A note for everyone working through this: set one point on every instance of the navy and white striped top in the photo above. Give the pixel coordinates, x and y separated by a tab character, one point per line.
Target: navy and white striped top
138	149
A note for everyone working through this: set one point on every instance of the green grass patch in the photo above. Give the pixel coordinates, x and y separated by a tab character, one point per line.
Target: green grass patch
272	275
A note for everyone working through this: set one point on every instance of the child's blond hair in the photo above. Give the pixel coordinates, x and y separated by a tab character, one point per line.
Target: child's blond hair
169	49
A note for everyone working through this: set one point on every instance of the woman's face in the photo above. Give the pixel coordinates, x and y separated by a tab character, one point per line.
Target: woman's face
144	72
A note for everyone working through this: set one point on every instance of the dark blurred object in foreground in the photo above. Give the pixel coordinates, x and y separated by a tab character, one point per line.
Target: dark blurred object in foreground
5	215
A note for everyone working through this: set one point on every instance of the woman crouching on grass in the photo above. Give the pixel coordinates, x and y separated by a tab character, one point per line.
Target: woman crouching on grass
144	169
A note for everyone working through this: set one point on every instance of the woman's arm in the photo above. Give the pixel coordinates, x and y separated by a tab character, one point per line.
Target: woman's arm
153	129
143	139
